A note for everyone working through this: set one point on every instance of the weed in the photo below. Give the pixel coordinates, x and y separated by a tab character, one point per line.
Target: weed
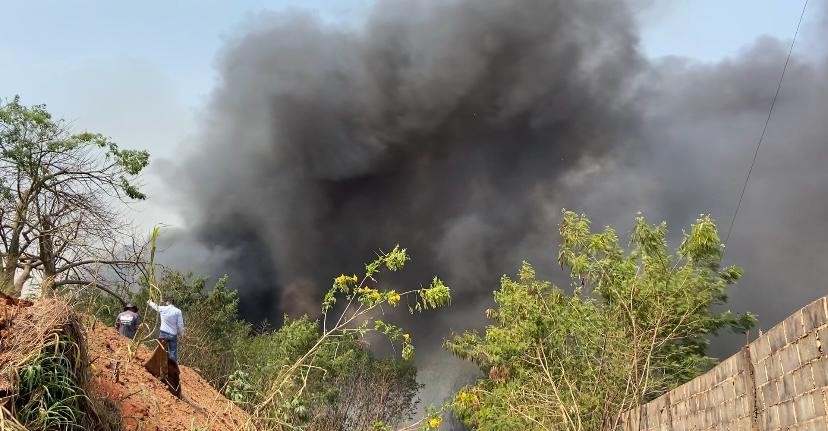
50	397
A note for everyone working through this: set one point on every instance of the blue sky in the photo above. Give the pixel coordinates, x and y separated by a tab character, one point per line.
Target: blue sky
95	62
141	71
711	29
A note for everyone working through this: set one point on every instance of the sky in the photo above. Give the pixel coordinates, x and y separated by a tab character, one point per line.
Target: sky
142	72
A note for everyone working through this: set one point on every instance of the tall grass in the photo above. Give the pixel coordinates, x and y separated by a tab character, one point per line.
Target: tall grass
49	395
46	363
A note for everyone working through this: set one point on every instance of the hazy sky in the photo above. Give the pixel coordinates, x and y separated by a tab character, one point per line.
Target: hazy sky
141	72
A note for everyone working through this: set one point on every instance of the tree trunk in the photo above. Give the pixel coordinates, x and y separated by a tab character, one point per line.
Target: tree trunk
21	278
14	252
7	284
47	256
7	280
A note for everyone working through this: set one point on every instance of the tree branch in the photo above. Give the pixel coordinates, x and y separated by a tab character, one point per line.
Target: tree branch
94	261
89	283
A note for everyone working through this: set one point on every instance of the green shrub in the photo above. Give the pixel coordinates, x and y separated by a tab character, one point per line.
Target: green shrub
50	394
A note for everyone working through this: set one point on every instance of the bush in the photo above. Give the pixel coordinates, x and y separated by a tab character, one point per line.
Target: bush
557	361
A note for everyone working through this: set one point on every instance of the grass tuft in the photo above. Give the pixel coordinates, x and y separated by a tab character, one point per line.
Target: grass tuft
49	395
44	366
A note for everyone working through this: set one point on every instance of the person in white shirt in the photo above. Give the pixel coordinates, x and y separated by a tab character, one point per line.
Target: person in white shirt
172	326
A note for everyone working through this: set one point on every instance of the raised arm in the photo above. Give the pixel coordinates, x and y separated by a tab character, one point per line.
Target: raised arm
152	305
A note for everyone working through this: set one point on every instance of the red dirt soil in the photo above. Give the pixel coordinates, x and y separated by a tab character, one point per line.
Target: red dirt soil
8	309
145	402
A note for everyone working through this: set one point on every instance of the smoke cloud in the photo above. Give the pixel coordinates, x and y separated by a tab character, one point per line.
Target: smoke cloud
445	128
460	129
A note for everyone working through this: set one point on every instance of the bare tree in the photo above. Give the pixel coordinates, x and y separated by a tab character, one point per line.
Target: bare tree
372	391
57	191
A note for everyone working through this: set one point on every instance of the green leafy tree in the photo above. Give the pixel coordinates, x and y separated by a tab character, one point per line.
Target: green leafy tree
635	326
56	195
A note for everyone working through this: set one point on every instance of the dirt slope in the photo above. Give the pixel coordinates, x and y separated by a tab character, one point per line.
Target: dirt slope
144	402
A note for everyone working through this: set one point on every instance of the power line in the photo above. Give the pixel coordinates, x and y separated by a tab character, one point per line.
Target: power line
765	128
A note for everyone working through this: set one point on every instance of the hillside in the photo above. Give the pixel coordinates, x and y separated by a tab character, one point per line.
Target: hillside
116	382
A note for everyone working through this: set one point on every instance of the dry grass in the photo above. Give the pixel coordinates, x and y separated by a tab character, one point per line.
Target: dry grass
8	422
29	330
36	338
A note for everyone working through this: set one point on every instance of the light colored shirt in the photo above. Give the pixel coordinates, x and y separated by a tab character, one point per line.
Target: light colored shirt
172	321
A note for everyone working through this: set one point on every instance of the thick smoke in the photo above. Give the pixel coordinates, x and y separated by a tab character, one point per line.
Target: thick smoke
702	134
444	128
460	130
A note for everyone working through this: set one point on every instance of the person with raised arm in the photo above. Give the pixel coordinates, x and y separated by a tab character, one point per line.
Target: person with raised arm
172	326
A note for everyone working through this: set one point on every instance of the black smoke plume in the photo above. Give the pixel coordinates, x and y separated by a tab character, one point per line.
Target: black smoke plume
460	129
445	128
